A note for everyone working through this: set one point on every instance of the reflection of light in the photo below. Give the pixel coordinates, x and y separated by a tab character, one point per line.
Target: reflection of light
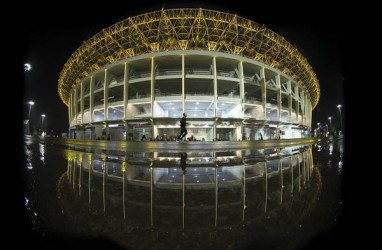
340	164
28	153
339	168
331	149
42	152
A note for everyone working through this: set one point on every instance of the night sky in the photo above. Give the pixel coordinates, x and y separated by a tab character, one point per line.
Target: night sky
48	42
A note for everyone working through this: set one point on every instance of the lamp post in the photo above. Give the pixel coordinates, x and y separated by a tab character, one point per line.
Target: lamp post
42	122
339	106
330	122
318	129
31	103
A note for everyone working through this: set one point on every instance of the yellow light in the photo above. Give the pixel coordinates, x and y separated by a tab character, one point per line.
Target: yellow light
112	45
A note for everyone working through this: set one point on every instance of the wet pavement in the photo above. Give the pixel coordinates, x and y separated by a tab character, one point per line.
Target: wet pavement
273	198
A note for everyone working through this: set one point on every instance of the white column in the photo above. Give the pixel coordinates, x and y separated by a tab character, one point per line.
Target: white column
125	89
91	98
70	110
82	102
215	95
241	77
297	96
289	84
106	96
152	85
215	88
75	106
302	106
306	109
263	92
278	83
183	83
302	103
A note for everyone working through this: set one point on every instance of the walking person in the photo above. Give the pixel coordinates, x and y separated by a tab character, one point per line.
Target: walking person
183	130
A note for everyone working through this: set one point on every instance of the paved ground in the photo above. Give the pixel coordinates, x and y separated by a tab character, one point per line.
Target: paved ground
150	146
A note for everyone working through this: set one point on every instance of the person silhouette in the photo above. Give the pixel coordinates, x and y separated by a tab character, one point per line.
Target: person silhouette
183	159
183	130
143	137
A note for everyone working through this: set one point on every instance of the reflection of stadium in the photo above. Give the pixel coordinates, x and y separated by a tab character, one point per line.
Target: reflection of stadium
234	78
220	191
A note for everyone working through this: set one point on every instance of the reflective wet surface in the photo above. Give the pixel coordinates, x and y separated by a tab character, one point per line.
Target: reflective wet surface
282	198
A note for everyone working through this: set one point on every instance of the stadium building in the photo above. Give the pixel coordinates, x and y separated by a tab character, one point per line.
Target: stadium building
235	79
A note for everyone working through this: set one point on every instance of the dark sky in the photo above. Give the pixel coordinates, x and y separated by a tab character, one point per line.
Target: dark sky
54	33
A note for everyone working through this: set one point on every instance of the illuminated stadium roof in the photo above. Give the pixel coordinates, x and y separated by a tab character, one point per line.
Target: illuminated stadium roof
187	29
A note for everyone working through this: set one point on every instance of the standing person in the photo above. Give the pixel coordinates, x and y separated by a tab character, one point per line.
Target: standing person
183	130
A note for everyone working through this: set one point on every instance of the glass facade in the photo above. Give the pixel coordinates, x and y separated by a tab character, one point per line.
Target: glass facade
226	97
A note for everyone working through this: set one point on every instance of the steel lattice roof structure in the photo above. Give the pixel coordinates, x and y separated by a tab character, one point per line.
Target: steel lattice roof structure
187	29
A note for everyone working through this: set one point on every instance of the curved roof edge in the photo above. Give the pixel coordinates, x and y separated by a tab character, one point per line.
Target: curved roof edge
187	29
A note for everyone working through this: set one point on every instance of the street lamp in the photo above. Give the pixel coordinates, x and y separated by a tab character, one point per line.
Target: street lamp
27	67
339	106
31	103
330	122
42	122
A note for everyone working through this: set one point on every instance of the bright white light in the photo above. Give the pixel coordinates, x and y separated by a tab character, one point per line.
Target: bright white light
43	115
339	106
31	102
26	201
27	67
